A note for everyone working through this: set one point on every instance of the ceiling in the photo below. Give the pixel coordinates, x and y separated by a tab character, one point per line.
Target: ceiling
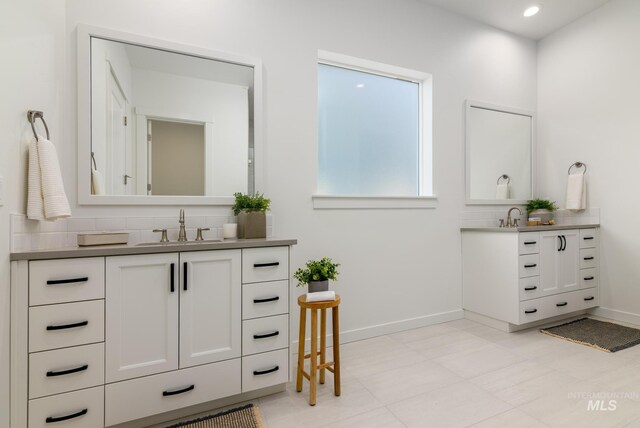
507	14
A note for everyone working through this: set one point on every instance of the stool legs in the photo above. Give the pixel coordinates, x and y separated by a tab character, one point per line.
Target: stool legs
336	351
323	343
313	369
301	340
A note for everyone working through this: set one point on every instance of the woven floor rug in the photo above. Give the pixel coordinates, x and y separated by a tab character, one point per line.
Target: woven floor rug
606	336
243	417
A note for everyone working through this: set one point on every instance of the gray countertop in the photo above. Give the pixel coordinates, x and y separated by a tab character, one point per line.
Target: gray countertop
151	248
528	228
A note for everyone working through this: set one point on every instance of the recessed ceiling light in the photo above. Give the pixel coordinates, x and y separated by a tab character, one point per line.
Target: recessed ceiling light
531	11
360	85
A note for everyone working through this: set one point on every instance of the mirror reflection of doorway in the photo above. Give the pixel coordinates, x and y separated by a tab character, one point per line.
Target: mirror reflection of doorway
176	154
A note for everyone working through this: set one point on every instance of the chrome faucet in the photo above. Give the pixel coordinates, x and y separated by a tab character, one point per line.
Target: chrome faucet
515	221
182	236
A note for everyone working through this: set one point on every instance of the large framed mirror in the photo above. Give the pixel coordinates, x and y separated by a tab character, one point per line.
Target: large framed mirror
500	154
163	123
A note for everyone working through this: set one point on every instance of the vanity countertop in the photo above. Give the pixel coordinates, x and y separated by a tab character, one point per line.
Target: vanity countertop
529	228
150	248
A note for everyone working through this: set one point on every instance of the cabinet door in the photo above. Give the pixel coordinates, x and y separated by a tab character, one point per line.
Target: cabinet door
210	302
559	265
569	261
141	315
550	246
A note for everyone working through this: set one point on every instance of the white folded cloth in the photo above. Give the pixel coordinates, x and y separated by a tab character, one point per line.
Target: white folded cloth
502	191
97	182
321	296
576	192
46	196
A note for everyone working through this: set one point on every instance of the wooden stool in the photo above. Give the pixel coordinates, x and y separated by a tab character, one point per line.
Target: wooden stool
332	366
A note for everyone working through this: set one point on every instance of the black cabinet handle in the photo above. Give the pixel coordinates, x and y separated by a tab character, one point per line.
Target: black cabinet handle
560	239
531	265
66	372
66	326
51	420
259	265
588	258
531	311
264	372
184	279
564	242
587	299
530	242
589	278
530	288
268	299
588	238
264	336
561	304
178	391
67	281
173	279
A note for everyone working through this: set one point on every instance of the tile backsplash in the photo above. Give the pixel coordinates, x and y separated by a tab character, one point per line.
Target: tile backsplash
491	217
29	235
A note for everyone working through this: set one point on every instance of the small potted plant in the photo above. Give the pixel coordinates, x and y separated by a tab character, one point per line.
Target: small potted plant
317	274
541	208
251	213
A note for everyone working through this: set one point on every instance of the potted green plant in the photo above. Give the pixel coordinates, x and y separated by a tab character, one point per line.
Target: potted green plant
541	208
317	274
250	211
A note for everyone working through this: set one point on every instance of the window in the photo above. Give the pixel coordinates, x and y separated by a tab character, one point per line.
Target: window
374	131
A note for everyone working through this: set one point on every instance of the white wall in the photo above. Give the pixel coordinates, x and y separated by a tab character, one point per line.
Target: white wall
589	112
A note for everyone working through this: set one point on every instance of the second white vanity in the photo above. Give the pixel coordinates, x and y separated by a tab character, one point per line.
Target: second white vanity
516	276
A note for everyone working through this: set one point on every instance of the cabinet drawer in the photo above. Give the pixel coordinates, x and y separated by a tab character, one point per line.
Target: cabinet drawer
557	304
63	370
530	288
68	280
265	264
588	298
588	258
529	265
588	238
529	243
265	334
139	398
78	409
267	369
265	299
589	278
68	324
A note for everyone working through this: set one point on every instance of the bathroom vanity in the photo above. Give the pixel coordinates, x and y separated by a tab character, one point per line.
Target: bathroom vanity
513	277
104	336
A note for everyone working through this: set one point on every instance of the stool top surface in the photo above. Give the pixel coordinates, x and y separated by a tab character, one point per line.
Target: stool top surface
302	301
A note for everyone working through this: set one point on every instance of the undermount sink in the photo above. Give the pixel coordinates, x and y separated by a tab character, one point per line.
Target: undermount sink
205	241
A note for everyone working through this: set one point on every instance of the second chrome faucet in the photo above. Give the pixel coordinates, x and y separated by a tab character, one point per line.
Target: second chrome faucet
182	235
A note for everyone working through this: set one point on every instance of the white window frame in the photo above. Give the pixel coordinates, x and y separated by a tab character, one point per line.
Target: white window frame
426	197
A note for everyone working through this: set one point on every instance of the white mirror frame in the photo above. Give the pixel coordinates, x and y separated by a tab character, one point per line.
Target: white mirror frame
478	104
85	32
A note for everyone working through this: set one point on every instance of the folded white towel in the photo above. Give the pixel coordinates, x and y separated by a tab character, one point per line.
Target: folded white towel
321	296
97	182
576	192
46	196
502	191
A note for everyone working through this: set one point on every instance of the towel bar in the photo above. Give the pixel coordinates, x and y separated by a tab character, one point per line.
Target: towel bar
504	177
578	165
32	115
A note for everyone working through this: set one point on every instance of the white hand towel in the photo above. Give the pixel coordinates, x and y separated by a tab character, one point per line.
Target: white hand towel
321	296
47	198
502	191
576	192
97	182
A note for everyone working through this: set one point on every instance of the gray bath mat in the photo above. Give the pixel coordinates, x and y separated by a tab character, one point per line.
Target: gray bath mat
606	336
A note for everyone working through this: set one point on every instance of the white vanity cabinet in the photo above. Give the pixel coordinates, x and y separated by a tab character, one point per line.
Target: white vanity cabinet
514	278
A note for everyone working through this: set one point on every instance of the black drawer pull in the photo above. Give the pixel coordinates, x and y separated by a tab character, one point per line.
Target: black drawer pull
588	238
535	287
263	372
531	265
66	326
51	420
588	258
531	311
178	391
530	242
589	278
587	299
67	281
184	280
173	279
561	304
66	372
264	336
268	299
259	265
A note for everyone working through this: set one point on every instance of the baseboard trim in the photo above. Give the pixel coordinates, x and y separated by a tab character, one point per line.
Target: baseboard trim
616	315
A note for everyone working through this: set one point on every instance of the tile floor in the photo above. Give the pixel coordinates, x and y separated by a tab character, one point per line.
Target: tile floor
462	373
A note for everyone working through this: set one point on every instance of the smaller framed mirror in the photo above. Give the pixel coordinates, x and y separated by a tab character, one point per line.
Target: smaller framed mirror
500	154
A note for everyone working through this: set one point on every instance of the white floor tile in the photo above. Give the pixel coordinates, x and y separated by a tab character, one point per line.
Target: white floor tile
379	418
511	419
480	361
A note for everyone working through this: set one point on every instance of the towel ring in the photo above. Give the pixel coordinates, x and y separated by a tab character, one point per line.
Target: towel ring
504	177
93	161
578	165
32	115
